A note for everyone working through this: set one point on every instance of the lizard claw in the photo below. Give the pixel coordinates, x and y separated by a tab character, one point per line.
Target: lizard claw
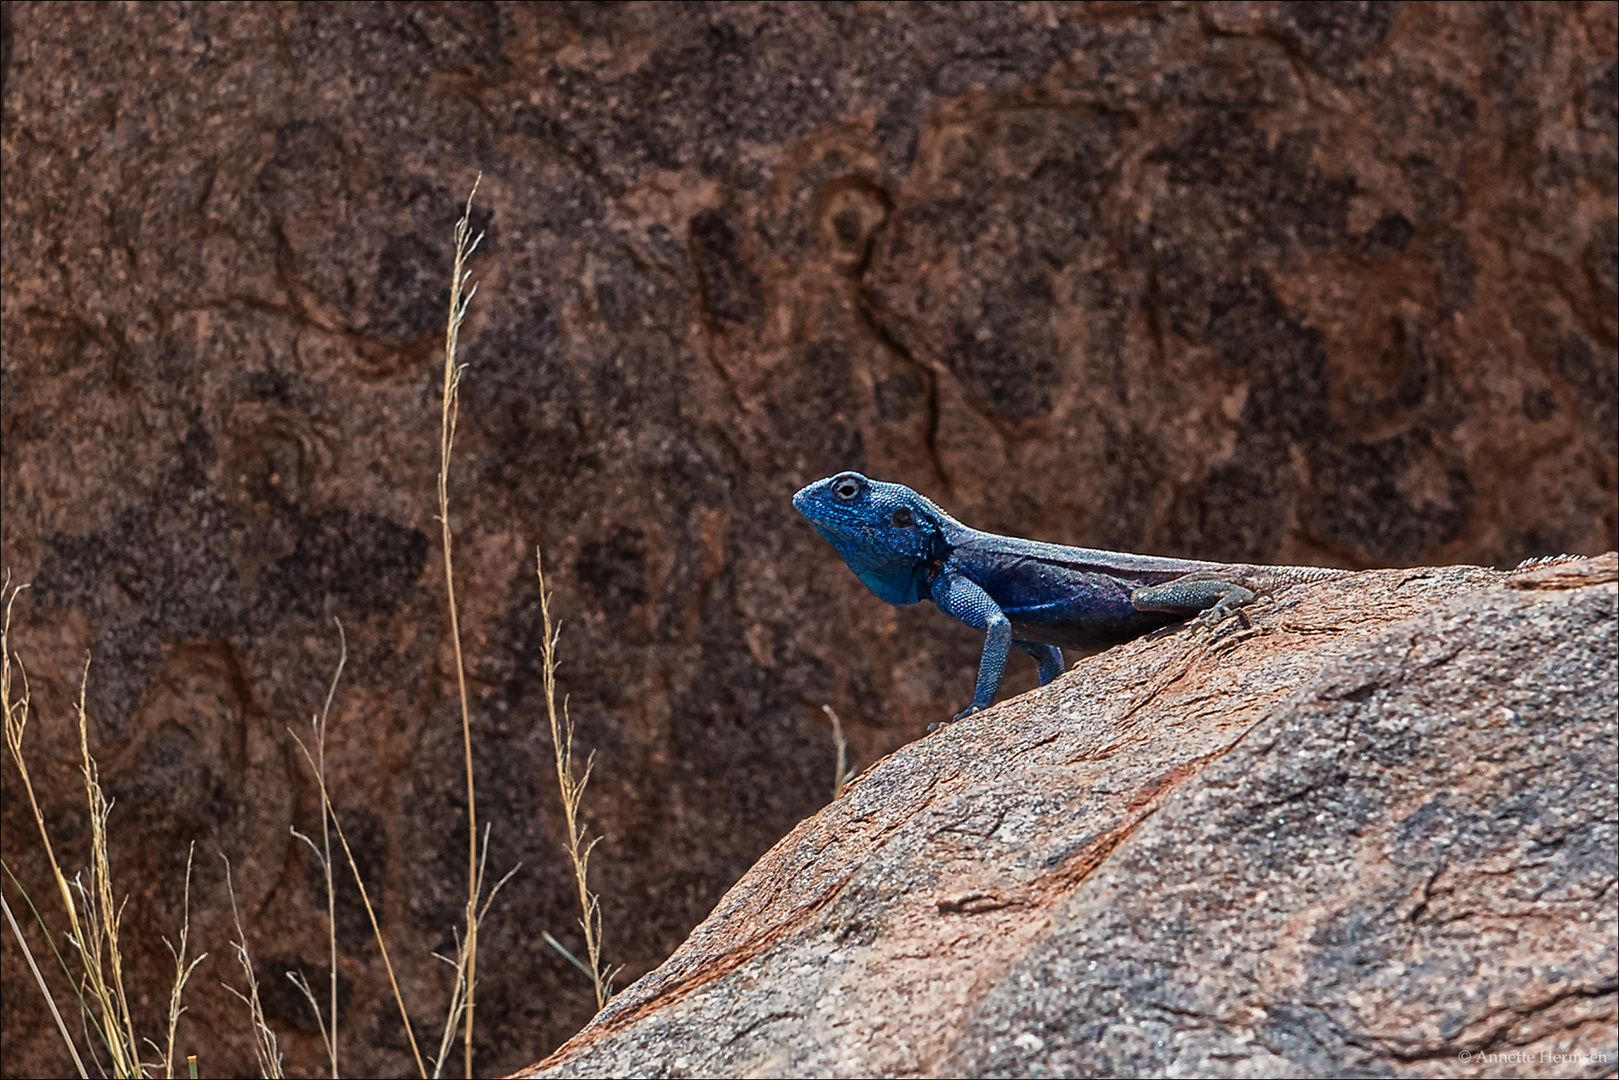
1220	616
962	715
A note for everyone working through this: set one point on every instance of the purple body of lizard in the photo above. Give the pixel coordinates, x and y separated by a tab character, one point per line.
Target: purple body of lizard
1039	598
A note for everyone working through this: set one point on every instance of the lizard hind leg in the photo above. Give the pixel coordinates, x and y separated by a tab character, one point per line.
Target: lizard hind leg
1212	600
1049	657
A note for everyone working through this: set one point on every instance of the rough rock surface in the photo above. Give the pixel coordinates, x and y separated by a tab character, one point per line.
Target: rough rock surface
1374	838
1277	282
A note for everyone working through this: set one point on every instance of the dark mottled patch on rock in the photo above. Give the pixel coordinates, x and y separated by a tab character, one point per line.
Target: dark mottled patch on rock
824	407
1603	259
281	999
1009	354
1364	499
730	287
1042	172
1282	359
614	568
412	290
346	562
1333	37
1236	511
1252	189
1594	374
1539	404
1388	236
369	845
1453	260
523	405
162	573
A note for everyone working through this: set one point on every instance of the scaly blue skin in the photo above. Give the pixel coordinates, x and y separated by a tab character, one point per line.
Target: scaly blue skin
1039	598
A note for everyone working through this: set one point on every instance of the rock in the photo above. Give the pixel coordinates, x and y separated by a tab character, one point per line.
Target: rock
1269	282
1372	837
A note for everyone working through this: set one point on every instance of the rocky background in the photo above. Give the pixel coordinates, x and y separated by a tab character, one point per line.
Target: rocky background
1274	282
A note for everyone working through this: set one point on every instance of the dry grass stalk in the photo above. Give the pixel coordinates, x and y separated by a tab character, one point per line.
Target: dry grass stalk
102	912
459	962
458	1004
265	1046
365	898
326	836
573	793
297	979
840	774
182	970
323	854
93	917
39	980
465	245
16	722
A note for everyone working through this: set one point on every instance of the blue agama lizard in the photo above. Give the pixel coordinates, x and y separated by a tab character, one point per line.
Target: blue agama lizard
1039	598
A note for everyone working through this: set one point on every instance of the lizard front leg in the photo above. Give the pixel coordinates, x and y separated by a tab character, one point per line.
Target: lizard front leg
963	598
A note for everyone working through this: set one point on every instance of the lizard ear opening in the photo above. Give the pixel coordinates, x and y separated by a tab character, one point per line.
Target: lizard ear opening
902	518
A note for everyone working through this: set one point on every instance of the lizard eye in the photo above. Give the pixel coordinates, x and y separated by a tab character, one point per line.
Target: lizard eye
902	518
846	488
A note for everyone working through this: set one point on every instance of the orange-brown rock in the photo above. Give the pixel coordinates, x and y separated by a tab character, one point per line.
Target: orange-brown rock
1372	837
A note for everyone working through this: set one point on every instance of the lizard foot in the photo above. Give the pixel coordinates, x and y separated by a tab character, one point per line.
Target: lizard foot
1220	616
1230	629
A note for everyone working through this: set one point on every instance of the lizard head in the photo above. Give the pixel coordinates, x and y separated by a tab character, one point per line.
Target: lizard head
887	533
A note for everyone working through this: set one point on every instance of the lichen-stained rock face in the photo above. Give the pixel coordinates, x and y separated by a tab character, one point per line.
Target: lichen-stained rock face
1277	282
1374	837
